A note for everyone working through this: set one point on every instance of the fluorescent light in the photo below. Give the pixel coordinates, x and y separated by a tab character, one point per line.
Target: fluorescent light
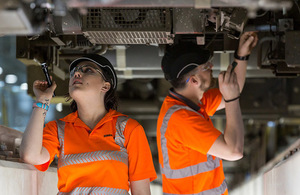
11	79
24	86
271	124
1	70
59	107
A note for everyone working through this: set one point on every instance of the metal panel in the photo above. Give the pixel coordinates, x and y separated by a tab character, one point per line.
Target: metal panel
189	21
270	4
69	24
127	26
18	23
292	48
129	3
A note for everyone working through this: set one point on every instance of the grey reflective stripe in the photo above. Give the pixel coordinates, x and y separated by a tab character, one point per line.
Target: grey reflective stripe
95	191
120	127
215	191
61	133
209	165
202	167
72	159
61	138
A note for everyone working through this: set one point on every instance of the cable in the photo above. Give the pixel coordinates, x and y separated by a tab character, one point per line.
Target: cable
214	37
297	5
262	14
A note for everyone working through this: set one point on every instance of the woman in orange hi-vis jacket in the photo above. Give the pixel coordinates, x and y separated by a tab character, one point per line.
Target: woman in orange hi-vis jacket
100	151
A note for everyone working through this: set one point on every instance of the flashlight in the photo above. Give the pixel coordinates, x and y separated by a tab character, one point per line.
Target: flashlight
45	70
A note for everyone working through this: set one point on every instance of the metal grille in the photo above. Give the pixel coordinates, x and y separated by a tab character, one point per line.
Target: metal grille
120	19
135	37
128	26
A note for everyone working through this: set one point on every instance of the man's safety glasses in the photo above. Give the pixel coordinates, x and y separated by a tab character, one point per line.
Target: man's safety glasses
203	67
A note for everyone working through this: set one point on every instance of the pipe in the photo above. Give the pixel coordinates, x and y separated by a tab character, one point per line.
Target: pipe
259	50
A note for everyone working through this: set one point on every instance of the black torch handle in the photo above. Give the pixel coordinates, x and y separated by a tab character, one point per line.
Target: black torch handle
46	72
234	64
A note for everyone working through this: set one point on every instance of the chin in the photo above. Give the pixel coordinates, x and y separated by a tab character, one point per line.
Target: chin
73	92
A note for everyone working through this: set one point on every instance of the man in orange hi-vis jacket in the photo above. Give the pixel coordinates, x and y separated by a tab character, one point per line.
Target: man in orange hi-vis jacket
190	147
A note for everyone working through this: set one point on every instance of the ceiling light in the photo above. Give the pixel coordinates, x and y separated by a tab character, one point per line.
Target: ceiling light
24	86
11	79
59	107
271	124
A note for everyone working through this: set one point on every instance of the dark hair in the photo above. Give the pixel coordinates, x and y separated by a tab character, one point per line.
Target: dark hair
111	99
180	82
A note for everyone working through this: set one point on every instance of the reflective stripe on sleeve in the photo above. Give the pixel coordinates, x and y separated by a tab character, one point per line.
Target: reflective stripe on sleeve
95	191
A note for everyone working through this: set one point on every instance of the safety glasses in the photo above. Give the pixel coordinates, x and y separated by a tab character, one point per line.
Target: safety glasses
203	67
86	70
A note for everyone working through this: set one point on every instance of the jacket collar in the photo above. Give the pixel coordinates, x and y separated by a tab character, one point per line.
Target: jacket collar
183	99
73	118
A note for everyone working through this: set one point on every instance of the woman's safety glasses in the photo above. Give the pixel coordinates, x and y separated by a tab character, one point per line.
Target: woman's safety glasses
86	70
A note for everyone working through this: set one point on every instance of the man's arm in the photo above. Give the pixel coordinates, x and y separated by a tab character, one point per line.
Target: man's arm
230	145
140	187
247	42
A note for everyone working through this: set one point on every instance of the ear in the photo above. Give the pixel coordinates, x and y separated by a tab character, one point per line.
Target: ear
194	80
105	87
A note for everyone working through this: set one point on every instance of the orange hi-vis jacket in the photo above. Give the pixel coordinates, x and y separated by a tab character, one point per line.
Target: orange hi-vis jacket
185	134
99	161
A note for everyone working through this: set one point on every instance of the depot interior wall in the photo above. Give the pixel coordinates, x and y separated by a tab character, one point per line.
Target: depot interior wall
19	178
282	179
